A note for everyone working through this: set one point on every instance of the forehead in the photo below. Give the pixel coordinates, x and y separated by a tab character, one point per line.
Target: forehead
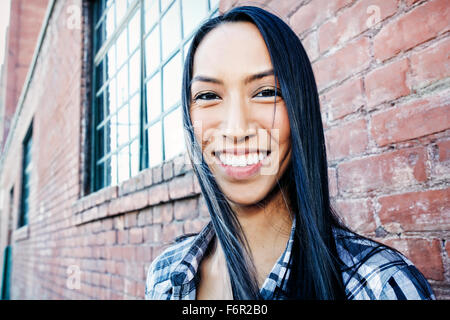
233	47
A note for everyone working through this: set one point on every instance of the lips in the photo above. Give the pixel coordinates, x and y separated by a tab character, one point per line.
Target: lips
240	164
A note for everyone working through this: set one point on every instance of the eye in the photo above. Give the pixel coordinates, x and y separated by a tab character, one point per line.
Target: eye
268	93
206	96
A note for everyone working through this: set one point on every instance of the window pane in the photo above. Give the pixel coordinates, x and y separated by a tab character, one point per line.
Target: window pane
110	97
111	134
134	116
134	30
110	21
172	81
171	29
134	154
122	85
186	47
122	48
99	75
193	13
123	164
154	97
100	174
110	59
111	170
155	144
121	9
100	36
99	108
123	134
164	4
152	51
151	13
135	72
100	143
173	134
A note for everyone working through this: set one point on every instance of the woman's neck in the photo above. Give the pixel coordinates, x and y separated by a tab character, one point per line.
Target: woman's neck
267	227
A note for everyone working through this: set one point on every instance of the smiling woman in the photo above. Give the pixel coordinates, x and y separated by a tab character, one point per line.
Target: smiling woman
254	133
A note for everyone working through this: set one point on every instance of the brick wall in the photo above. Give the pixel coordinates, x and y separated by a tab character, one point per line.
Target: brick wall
384	90
25	23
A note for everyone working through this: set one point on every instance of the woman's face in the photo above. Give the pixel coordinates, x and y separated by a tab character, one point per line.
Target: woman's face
246	146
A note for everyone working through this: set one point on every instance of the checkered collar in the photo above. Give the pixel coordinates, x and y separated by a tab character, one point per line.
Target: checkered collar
185	276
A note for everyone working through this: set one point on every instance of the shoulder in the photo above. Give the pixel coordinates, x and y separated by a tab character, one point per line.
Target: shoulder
371	270
158	284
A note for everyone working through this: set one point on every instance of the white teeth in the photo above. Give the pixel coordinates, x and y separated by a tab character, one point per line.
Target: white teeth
241	160
222	158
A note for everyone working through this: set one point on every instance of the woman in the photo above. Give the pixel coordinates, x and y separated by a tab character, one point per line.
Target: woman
255	139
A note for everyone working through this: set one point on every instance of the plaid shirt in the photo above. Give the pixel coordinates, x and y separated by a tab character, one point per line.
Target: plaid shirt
369	272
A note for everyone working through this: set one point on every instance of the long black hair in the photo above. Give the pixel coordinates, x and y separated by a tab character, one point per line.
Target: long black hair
314	260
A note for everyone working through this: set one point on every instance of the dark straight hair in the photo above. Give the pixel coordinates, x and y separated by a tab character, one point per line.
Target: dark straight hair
315	264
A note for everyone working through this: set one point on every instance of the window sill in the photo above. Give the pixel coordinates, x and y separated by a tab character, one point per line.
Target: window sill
149	187
21	234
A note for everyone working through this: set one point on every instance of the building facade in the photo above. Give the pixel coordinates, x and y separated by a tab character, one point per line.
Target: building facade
94	177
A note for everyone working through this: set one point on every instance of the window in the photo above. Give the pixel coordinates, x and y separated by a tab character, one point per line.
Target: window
27	165
139	49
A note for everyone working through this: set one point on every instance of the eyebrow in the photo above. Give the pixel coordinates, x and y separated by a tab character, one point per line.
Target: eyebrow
247	80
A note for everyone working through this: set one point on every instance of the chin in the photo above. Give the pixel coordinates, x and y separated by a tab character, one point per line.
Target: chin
245	198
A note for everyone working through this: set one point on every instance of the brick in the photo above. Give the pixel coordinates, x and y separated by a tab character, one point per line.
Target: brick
193	226
417	211
157	174
168	170
355	20
311	45
152	234
411	120
347	61
358	214
225	5
444	150
185	209
163	213
430	64
347	140
308	16
387	83
181	186
403	33
283	8
158	194
203	208
383	172
110	237
345	99
171	231
332	182
425	255
135	235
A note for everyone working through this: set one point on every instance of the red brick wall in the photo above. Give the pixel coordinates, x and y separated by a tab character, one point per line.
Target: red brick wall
25	24
385	109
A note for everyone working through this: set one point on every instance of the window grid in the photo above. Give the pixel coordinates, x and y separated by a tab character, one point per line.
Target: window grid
26	179
112	145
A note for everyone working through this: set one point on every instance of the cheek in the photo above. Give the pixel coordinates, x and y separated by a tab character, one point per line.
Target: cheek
204	126
281	128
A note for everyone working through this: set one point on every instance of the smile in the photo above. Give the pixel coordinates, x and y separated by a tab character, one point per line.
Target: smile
241	166
242	160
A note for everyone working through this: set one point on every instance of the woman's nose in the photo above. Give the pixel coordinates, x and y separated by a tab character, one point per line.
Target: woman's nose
236	127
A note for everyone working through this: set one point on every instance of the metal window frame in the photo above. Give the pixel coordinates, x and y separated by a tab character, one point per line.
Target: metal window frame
27	146
100	180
